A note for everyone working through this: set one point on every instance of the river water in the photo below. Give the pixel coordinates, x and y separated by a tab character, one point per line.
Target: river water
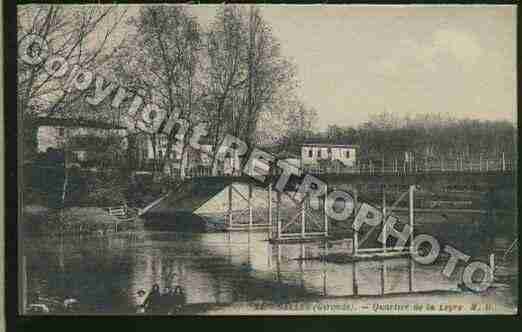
105	273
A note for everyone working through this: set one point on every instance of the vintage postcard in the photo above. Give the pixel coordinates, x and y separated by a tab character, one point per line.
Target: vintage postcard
267	159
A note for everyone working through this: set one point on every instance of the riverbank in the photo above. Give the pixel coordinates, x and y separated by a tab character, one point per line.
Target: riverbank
71	220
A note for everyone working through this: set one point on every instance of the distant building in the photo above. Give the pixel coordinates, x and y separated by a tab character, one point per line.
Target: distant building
195	159
81	138
315	153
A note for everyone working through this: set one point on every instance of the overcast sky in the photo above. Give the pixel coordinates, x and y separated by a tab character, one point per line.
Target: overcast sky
357	60
354	61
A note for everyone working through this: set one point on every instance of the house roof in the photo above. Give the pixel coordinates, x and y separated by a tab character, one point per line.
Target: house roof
286	155
78	122
329	145
143	135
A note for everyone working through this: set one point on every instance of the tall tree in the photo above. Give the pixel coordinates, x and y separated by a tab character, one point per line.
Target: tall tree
247	74
224	50
80	35
161	61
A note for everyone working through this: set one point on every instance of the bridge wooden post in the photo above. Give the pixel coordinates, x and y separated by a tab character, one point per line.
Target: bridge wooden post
411	273
250	206
303	216
278	262
269	252
24	285
230	205
324	211
355	233
412	189
503	162
480	162
354	279
324	283
270	221
278	214
383	276
492	266
383	222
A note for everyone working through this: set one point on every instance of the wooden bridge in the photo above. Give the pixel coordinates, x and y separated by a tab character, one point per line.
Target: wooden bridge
193	199
401	167
446	181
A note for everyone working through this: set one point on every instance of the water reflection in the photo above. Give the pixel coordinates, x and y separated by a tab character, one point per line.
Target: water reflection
107	273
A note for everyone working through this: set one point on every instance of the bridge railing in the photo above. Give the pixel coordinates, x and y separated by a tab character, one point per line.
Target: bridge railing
199	172
121	211
394	167
432	166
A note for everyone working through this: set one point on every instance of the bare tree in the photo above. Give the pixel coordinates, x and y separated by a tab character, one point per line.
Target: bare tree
80	35
160	61
269	75
71	35
299	124
225	48
248	74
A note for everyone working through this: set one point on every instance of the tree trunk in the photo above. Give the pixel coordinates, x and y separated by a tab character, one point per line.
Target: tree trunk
184	162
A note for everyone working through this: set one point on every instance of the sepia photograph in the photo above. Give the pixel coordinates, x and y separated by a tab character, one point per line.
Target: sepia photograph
266	159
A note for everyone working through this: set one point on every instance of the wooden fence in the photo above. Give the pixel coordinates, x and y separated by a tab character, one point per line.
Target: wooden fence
423	166
397	167
123	212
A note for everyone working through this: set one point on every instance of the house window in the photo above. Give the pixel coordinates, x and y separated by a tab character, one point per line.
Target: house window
310	153
74	157
319	153
79	155
61	132
347	153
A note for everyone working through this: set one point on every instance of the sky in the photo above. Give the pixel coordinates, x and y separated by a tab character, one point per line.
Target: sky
357	60
354	61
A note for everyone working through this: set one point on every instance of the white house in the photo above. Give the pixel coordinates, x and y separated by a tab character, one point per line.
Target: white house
78	136
312	153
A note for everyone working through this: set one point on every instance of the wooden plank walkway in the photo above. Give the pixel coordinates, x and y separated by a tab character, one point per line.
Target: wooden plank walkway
151	205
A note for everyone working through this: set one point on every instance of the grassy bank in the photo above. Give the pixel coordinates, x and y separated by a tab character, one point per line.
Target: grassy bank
71	220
